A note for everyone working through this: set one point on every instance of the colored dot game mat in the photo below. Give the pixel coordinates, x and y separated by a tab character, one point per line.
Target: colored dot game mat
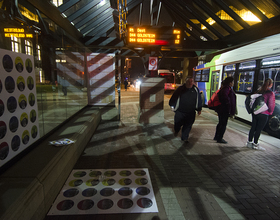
19	121
107	191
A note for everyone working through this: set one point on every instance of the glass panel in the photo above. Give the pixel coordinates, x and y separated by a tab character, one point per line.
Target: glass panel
28	11
248	65
270	62
268	7
245	81
242	11
205	75
273	73
211	21
226	18
197	76
229	70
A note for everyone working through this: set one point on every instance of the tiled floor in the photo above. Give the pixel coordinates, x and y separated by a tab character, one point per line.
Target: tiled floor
198	180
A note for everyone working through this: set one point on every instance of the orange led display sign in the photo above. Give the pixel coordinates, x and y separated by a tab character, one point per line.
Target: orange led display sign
154	36
16	32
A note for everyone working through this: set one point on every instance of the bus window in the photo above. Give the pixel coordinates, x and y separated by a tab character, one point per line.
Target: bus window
215	81
202	75
274	74
197	76
229	70
245	81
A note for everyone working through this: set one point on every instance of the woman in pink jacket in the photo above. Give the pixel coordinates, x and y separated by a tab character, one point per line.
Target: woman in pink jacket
259	121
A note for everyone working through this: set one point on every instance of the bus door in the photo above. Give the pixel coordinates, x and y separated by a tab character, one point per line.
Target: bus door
214	81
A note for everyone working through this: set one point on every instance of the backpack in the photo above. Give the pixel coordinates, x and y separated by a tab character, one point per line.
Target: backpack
214	100
255	104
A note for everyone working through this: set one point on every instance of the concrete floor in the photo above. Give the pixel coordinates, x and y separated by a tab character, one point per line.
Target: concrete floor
197	180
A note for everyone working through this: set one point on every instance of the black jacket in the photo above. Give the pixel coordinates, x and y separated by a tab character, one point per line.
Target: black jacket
190	99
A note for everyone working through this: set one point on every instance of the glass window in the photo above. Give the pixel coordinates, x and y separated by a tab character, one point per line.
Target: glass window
202	75
15	44
245	81
270	62
229	70
57	2
273	73
28	47
247	65
39	52
197	76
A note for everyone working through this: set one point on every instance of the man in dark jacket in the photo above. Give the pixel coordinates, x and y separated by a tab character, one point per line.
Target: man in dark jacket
185	101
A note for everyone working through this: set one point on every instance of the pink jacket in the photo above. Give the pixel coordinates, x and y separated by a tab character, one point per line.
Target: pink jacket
269	98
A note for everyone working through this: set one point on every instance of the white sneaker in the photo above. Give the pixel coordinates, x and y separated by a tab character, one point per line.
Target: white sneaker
249	144
257	147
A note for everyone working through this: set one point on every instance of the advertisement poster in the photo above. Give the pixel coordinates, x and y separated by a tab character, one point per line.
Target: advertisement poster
100	191
19	125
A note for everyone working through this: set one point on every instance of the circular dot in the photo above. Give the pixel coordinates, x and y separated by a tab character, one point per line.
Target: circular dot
105	204
20	83
107	191
15	143
10	84
92	182
125	181
31	99
85	204
125	203
2	107
28	65
65	205
125	191
7	63
110	173
4	150
1	86
32	116
140	173
25	137
34	131
30	83
79	174
24	119
76	182
89	192
19	64
108	182
143	191
144	203
22	101
71	192
141	181
95	174
125	173
12	104
13	124
3	129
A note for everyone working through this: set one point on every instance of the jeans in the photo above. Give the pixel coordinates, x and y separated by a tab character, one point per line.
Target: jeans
186	120
258	123
221	126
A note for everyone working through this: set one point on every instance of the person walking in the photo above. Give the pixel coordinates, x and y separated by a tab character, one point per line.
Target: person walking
259	121
125	84
227	108
185	101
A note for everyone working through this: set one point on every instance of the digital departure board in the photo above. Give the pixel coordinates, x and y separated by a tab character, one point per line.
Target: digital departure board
163	36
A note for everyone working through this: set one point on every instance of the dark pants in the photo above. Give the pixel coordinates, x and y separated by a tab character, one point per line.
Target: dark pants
258	123
64	90
221	126
186	120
